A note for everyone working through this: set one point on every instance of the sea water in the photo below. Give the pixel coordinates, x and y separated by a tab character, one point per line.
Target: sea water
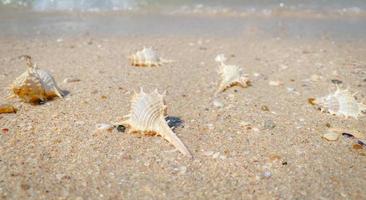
133	17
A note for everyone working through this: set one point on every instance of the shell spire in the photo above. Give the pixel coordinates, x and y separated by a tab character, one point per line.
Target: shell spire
231	75
341	103
147	57
147	115
35	84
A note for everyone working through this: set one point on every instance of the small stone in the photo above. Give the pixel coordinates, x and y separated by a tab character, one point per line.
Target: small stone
208	153
218	103
336	81
267	174
121	128
216	155
71	80
210	126
25	186
269	124
264	108
357	146
275	83
5	130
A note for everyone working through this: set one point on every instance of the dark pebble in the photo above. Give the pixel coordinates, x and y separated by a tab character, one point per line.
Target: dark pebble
121	128
284	163
336	81
174	122
269	124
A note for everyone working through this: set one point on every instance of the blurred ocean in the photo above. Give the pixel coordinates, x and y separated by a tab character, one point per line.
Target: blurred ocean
241	7
344	18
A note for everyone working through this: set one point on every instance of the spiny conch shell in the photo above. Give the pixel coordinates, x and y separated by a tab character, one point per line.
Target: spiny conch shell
147	115
147	57
230	74
35	84
340	103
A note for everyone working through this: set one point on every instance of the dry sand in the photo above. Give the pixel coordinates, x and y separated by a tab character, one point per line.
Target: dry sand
53	151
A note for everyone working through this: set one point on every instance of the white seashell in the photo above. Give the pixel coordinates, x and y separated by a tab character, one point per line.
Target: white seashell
147	115
341	103
231	75
147	57
35	85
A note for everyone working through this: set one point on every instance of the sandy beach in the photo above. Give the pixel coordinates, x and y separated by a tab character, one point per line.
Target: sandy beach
241	149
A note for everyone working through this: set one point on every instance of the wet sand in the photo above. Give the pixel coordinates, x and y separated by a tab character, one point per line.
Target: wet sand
53	151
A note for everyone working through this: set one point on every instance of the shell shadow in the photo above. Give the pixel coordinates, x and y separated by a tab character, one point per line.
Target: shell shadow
174	122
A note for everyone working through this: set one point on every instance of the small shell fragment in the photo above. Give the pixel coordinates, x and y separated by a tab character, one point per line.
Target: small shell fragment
147	115
7	108
147	57
35	85
275	83
340	103
331	135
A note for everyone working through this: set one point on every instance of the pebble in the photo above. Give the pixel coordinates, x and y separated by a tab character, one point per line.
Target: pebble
336	81
264	108
275	83
269	124
121	128
218	103
71	80
210	126
267	174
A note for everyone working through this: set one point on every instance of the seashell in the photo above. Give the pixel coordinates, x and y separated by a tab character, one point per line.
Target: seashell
35	84
231	75
147	57
147	115
340	103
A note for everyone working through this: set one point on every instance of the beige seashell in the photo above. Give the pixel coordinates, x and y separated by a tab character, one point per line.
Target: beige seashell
341	103
35	84
147	57
231	75
147	115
